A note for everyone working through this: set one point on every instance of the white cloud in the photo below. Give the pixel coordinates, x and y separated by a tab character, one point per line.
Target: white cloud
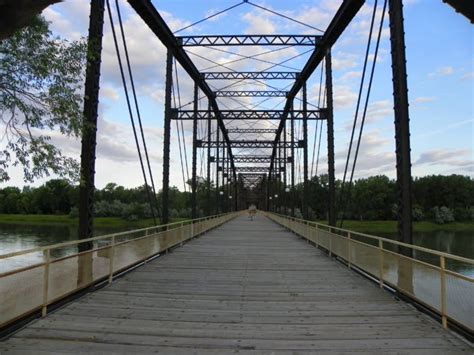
344	61
109	93
442	71
454	157
350	75
468	76
423	100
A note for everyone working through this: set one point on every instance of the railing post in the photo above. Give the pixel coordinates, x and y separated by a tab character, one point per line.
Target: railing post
47	258
349	250
111	259
442	263
316	233
330	241
380	263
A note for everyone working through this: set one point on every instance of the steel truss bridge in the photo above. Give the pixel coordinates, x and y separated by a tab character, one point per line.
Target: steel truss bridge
248	285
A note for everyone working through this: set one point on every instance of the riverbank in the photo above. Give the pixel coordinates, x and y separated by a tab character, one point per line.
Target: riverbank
100	222
371	227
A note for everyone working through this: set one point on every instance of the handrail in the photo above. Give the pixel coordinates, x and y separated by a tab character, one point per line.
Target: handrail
386	240
26	289
405	274
105	236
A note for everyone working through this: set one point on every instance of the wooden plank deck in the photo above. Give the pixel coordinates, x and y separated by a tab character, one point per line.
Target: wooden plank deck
246	287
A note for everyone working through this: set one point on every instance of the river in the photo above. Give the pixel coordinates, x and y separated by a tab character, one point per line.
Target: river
14	237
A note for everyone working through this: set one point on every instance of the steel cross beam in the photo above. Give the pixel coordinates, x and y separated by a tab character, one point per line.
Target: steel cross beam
250	144
149	14
251	130
247	114
249	40
253	159
340	21
252	169
252	179
252	93
270	75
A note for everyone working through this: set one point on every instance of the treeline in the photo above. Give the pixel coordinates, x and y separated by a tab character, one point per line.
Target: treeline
438	198
59	197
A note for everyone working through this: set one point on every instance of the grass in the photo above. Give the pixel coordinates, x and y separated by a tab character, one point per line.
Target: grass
101	222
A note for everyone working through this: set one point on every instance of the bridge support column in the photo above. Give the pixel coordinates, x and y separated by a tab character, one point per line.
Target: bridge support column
330	141
208	207
305	153
89	135
236	190
283	163
223	197
194	163
293	160
166	138
217	168
402	128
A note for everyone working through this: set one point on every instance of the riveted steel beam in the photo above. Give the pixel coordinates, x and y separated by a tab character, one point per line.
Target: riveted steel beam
251	93
231	75
147	11
251	130
247	114
249	40
340	21
250	144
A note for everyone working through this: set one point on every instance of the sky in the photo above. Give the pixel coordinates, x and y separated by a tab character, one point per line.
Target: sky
440	66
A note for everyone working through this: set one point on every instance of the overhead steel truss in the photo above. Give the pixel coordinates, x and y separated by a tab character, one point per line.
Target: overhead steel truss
338	24
146	10
254	159
252	179
251	93
252	169
251	130
279	143
247	114
248	144
249	40
271	75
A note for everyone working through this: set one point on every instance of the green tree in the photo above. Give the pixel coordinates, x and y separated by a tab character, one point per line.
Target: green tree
41	77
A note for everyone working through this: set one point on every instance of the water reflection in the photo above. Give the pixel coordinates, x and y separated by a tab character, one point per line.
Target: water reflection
456	243
16	237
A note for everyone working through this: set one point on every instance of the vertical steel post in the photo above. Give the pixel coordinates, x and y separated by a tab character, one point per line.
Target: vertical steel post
268	190
236	187
285	200
293	160
89	133
166	138
223	181
330	139
402	128
217	168
194	178
228	190
208	209
305	153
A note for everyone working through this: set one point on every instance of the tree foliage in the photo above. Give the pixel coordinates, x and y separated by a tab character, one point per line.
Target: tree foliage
436	197
41	79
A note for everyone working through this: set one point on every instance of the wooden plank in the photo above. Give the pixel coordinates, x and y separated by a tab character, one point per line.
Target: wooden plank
247	286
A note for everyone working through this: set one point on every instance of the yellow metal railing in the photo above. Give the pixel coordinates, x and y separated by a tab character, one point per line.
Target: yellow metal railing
54	271
427	277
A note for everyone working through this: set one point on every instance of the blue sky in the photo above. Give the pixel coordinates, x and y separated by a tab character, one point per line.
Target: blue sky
440	64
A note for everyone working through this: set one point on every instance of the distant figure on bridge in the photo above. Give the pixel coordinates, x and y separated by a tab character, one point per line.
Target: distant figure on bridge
252	211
